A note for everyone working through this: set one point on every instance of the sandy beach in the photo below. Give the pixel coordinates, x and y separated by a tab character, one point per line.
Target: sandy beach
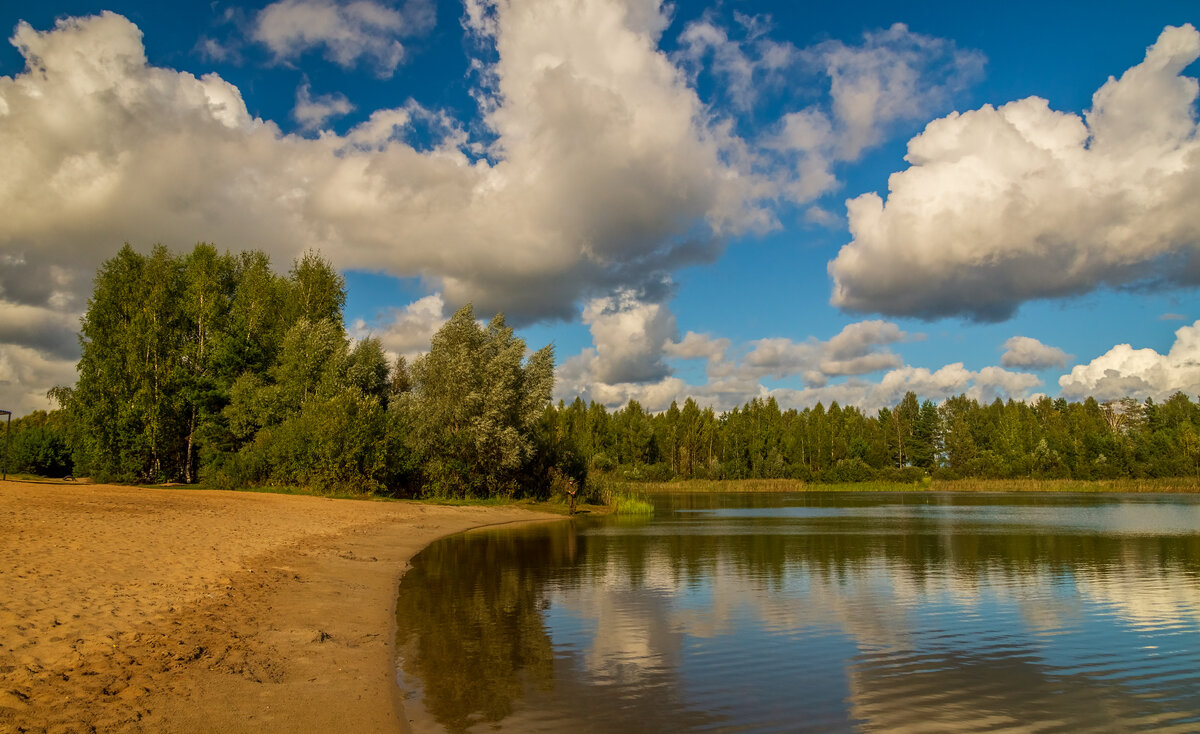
175	610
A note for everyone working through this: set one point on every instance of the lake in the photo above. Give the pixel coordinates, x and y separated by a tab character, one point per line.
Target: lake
815	612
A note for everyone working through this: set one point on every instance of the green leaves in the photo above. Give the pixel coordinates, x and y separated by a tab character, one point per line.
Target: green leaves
474	407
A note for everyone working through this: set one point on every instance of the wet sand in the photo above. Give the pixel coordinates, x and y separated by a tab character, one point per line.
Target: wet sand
172	610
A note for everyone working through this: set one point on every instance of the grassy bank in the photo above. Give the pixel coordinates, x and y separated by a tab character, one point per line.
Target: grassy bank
1166	485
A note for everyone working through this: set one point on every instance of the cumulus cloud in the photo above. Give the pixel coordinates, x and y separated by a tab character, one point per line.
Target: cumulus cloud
733	384
405	331
1139	373
822	217
887	78
1003	205
604	170
852	351
348	32
629	336
634	340
698	346
313	112
892	76
984	385
1027	352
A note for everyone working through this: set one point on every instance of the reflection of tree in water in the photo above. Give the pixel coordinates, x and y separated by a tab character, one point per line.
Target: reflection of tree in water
1004	690
470	618
924	545
476	626
473	613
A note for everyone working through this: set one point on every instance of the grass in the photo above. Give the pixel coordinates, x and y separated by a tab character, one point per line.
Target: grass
35	479
620	496
627	504
1166	485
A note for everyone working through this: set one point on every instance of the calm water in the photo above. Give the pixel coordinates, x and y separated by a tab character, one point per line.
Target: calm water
819	612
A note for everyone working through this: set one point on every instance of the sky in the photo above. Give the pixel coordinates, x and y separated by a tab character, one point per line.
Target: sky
720	200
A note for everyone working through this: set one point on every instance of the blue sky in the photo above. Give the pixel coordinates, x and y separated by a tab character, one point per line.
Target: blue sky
687	200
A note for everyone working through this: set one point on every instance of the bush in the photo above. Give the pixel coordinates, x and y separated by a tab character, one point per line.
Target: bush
40	450
901	475
660	472
848	470
602	462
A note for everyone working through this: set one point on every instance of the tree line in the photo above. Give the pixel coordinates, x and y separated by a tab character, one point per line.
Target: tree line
960	438
210	366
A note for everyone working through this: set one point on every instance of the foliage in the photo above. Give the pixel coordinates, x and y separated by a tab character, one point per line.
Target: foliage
474	408
1048	439
36	444
210	365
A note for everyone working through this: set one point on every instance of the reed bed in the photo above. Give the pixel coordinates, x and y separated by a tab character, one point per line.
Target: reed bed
1163	485
1168	485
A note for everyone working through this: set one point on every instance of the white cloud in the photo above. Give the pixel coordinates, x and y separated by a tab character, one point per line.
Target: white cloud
606	171
1139	373
405	331
1027	352
1003	205
885	80
629	336
213	50
984	385
894	75
347	31
738	385
313	112
744	66
781	357
852	351
855	340
633	339
822	217
697	346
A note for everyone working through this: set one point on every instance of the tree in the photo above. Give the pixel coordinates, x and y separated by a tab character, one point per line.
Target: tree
129	422
208	288
318	291
37	444
474	406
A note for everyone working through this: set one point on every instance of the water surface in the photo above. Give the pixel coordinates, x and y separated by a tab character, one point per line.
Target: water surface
815	612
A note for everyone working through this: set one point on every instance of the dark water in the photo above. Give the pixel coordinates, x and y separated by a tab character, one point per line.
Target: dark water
817	612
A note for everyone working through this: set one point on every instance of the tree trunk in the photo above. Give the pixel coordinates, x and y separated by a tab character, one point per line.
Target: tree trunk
189	476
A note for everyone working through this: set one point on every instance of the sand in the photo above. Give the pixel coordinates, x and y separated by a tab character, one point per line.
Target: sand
175	610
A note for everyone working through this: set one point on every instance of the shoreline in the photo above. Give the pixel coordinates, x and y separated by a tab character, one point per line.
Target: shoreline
1172	485
178	610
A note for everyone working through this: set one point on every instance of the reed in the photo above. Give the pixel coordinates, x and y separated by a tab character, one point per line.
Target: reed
1164	485
627	504
610	487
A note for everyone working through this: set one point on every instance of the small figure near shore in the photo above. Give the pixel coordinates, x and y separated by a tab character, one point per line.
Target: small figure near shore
572	490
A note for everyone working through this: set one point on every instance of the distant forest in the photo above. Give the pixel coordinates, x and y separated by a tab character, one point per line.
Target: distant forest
210	367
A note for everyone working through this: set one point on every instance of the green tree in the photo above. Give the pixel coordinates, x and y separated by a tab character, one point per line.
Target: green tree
318	291
474	407
129	420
